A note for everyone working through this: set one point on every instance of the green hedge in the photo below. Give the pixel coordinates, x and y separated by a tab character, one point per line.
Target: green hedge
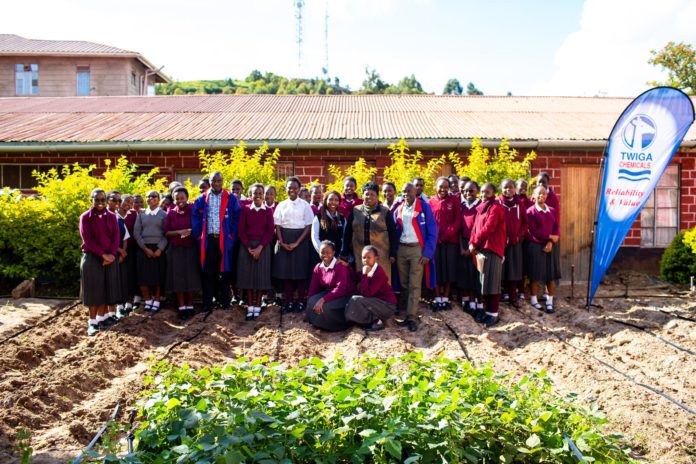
395	410
678	262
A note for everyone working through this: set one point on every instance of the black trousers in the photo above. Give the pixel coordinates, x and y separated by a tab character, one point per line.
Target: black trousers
216	285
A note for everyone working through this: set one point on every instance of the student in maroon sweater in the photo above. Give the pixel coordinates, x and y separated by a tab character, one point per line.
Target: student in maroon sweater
183	262
330	290
445	208
488	240
256	230
516	226
349	199
543	235
554	203
468	278
375	302
316	196
101	283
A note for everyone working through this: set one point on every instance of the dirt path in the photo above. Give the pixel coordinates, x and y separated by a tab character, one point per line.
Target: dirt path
62	385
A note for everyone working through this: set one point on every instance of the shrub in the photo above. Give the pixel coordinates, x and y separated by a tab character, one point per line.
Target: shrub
378	411
504	164
238	163
690	239
362	172
39	235
678	262
405	166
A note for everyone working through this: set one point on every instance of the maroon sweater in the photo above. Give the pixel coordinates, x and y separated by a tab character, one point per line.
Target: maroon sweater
376	286
515	219
542	225
256	225
345	207
100	233
337	281
489	231
468	219
553	202
179	219
448	218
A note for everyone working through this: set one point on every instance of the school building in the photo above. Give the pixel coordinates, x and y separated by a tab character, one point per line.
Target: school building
567	133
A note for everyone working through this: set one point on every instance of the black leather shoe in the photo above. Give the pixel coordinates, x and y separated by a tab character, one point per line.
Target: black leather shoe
299	307
479	315
411	325
490	321
287	308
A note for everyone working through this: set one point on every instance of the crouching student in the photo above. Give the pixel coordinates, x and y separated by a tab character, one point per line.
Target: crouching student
256	229
516	227
543	234
330	290
488	240
375	302
99	269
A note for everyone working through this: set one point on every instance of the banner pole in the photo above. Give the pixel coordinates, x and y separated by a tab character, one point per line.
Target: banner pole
594	224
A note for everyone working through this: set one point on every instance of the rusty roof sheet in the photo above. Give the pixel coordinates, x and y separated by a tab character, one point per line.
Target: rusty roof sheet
306	118
14	44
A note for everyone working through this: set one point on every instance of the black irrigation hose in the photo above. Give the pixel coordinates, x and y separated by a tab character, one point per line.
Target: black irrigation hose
48	319
461	343
609	366
678	316
648	331
98	435
574	448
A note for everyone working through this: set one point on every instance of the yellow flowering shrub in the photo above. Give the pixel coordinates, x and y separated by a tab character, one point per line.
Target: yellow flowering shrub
362	172
406	165
504	163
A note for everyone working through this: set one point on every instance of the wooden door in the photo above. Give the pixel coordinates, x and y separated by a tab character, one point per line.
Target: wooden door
578	192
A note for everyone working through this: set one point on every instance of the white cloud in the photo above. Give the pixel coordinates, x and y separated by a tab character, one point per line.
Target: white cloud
609	54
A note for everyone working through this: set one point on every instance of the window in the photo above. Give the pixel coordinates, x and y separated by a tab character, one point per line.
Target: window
83	81
659	219
285	169
195	176
19	176
27	79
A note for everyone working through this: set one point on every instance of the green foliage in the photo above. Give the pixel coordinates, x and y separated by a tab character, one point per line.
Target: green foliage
378	411
690	239
373	84
238	163
23	446
48	241
472	90
406	165
407	85
679	60
453	87
678	262
362	172
504	164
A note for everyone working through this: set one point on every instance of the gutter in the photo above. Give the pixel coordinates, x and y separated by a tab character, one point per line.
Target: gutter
180	145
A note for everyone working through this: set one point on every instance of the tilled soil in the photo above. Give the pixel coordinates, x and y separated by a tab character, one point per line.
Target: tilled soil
62	385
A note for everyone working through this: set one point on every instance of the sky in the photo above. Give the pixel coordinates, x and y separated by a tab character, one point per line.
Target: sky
532	47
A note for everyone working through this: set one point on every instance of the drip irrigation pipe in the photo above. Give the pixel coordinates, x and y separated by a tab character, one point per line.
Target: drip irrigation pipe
678	316
574	448
609	366
648	331
460	342
48	319
98	435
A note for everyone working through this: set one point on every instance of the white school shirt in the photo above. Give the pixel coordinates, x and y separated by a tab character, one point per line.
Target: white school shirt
408	234
316	228
293	214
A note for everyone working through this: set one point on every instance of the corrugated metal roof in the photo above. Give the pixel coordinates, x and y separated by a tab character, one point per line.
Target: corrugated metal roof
306	118
14	45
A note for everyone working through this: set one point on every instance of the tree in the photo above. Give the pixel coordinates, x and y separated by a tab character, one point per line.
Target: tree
679	59
453	87
373	83
407	85
472	90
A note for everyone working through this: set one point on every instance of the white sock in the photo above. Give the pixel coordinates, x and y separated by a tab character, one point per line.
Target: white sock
521	296
149	302
465	299
492	314
155	304
549	300
93	321
479	305
110	314
182	308
101	318
438	299
250	311
257	310
188	307
445	299
128	306
137	299
533	300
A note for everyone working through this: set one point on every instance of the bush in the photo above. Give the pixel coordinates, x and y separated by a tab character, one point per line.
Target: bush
405	166
504	164
39	235
378	411
678	262
249	168
362	172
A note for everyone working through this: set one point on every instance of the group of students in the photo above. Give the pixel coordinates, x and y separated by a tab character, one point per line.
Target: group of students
340	258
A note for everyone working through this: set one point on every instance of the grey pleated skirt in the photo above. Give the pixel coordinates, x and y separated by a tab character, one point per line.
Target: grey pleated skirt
540	266
132	270
100	285
254	274
123	276
492	273
183	269
467	276
446	262
152	272
513	265
291	265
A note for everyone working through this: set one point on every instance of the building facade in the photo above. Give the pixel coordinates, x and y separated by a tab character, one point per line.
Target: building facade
54	68
314	132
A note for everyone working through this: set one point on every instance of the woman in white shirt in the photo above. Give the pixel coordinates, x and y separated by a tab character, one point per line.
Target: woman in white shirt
293	220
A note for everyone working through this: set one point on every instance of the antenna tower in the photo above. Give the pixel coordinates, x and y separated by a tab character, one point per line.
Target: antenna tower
299	4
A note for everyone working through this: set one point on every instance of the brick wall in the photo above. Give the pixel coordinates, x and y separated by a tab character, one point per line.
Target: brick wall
311	165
